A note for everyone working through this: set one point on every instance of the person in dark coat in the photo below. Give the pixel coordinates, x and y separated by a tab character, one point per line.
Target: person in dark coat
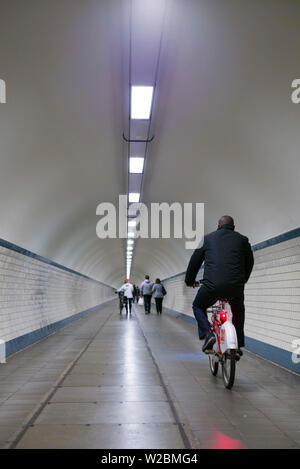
158	291
228	262
134	293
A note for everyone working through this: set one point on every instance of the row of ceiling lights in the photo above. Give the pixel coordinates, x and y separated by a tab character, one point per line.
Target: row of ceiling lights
140	109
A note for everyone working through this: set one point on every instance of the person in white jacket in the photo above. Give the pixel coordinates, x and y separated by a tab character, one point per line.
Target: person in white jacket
128	290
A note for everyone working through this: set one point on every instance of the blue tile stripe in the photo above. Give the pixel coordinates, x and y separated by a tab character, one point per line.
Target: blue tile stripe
18	343
277	239
25	252
272	353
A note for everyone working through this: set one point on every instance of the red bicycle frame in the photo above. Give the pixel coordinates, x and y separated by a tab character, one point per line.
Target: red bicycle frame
219	316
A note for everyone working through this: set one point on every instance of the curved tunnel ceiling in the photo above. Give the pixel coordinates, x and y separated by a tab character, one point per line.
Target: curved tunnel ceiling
226	131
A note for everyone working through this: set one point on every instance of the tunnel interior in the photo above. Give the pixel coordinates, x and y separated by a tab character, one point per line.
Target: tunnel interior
223	131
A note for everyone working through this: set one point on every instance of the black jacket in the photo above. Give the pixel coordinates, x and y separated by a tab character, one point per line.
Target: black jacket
228	260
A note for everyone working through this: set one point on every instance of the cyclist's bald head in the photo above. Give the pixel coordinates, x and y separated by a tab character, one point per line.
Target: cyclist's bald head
226	220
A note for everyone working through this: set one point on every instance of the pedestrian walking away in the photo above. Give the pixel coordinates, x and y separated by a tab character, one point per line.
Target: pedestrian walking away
146	292
159	292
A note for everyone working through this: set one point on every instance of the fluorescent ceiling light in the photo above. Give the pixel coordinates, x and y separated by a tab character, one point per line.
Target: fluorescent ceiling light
141	102
134	196
130	234
132	223
136	165
130	241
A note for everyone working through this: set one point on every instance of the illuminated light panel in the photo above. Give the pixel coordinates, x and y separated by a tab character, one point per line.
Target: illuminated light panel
132	223
134	197
141	102
136	165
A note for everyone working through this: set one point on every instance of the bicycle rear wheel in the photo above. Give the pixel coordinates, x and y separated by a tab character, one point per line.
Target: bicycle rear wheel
213	365
228	368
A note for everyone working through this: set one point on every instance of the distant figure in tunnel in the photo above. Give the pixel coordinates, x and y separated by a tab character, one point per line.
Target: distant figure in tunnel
228	262
134	293
127	289
146	292
158	291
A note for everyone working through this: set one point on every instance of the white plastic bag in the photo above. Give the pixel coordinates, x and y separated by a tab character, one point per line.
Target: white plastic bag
141	301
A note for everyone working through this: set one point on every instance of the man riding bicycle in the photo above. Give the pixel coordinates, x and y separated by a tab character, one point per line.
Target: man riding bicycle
228	262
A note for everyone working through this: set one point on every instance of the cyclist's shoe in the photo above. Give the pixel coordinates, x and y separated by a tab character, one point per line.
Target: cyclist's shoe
239	354
202	337
209	342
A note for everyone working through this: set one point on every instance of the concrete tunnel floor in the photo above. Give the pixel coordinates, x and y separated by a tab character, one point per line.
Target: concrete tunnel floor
110	381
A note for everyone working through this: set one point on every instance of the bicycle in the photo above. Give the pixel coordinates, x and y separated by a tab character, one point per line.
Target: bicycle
225	349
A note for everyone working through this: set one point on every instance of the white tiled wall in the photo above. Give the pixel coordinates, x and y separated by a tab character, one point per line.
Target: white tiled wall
34	294
272	295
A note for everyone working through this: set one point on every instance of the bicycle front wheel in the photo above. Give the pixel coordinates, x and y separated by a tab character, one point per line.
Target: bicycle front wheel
213	365
228	368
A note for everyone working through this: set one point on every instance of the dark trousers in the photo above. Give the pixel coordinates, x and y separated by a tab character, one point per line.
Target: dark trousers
158	302
128	302
147	303
206	298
